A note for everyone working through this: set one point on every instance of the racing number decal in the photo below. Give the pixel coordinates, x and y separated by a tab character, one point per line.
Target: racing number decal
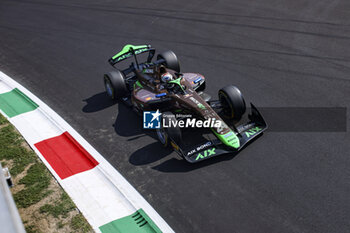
206	153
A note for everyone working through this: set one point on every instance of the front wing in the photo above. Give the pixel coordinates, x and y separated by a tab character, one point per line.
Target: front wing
245	132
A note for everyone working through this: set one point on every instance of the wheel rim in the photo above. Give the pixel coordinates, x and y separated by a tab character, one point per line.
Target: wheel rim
109	89
161	136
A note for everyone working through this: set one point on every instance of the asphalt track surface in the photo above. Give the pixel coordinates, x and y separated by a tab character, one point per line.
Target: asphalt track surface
279	53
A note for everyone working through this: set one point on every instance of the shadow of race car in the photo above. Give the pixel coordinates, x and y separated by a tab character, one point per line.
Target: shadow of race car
143	86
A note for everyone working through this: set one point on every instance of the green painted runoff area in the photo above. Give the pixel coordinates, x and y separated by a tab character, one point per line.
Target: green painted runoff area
138	222
16	102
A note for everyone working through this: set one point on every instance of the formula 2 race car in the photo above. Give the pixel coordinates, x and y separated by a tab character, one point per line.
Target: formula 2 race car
159	86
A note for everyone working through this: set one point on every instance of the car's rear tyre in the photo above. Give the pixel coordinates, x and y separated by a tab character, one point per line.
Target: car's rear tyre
173	133
171	60
115	85
232	102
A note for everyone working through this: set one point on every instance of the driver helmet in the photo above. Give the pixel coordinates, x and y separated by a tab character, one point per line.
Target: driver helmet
166	77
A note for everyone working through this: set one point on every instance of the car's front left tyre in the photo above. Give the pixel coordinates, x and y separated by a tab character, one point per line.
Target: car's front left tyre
115	85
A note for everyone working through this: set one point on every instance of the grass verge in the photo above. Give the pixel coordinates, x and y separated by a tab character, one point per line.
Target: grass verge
43	205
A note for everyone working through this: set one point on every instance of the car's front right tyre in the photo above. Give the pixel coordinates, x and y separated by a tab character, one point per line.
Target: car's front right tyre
170	60
232	101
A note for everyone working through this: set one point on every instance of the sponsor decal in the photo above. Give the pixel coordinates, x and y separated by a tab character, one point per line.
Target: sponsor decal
201	106
194	100
148	98
206	153
253	131
199	148
141	51
124	56
231	139
242	128
160	95
197	80
151	119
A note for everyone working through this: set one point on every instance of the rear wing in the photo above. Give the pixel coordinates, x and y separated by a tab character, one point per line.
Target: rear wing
132	50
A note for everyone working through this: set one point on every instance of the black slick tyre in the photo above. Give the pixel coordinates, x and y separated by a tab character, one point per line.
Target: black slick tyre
171	60
115	86
232	102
